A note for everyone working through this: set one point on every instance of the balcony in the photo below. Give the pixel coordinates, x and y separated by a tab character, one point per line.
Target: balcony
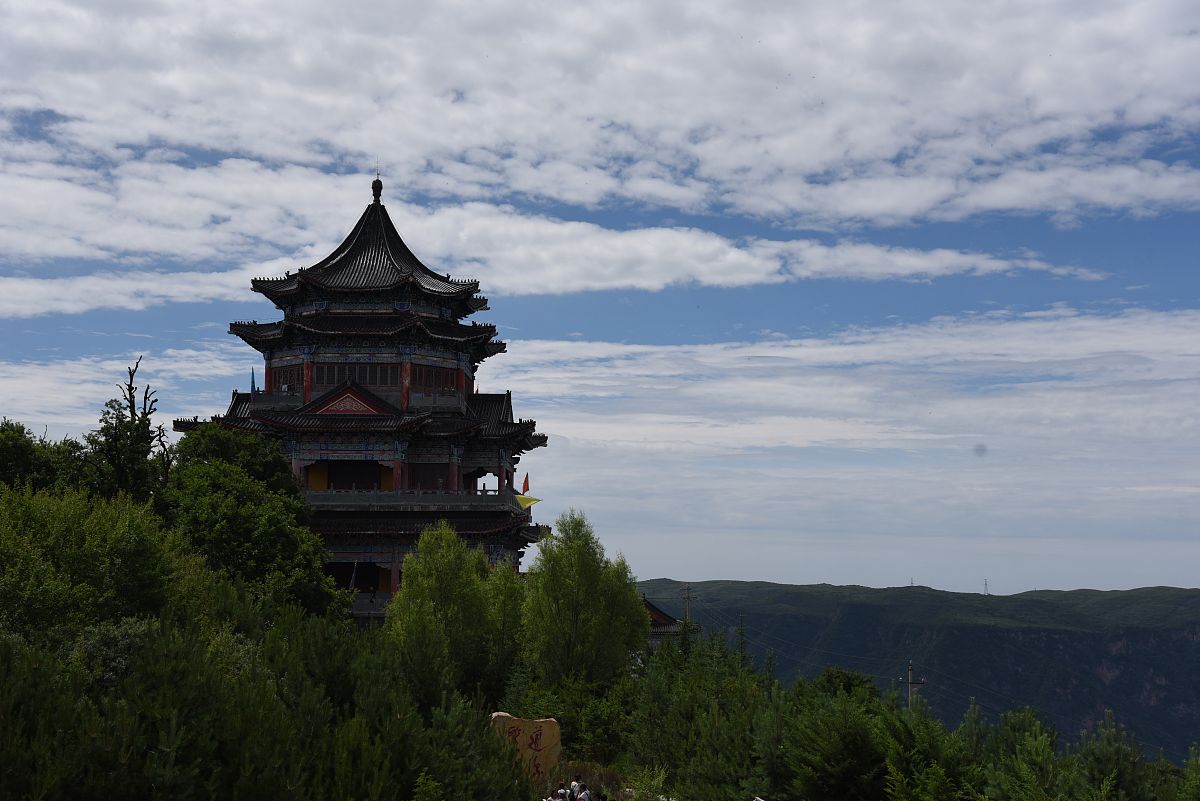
483	500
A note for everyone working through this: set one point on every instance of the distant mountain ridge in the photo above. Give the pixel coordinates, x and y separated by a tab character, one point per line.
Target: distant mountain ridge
1069	654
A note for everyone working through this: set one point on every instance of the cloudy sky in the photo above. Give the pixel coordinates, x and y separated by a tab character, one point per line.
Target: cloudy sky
805	292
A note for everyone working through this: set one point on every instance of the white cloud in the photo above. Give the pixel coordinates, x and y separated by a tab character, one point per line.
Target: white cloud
65	396
853	458
1037	378
510	251
850	458
826	113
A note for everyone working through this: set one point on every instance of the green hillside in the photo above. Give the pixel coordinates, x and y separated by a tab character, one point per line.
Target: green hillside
1069	654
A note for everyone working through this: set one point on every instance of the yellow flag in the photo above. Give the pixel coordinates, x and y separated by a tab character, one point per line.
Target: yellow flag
526	500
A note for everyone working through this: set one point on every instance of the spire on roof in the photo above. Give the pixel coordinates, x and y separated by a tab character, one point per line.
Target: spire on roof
377	187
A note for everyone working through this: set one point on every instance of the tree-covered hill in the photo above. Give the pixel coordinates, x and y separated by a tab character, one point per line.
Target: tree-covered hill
1071	654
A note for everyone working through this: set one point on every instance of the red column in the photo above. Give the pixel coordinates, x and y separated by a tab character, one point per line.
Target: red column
460	381
308	376
266	374
397	475
396	572
502	478
405	384
453	472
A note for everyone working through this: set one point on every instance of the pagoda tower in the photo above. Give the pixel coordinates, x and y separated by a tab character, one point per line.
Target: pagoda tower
370	390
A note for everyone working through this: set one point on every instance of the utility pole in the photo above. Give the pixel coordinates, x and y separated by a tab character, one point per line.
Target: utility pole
911	684
985	588
687	603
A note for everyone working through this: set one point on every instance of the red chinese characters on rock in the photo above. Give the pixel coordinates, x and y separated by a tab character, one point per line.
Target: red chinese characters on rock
538	742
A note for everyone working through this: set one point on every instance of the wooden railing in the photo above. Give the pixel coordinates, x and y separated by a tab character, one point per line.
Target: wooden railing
417	499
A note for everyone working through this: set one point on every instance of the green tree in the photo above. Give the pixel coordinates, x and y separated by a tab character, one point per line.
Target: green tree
1110	752
925	762
834	751
835	680
428	788
69	560
250	532
260	458
1189	788
17	453
439	617
505	596
583	615
42	463
129	451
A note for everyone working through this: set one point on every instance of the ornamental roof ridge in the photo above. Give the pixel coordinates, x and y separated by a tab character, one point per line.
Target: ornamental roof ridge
352	386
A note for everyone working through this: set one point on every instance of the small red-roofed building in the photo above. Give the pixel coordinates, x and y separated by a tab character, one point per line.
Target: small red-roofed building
663	625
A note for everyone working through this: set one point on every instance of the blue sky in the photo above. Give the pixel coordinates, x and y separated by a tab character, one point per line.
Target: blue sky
802	293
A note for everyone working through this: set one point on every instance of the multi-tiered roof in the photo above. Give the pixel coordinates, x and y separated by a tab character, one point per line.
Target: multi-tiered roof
372	363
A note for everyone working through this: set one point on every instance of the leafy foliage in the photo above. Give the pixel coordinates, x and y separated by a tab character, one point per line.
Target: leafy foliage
130	452
259	458
67	561
248	531
583	616
439	618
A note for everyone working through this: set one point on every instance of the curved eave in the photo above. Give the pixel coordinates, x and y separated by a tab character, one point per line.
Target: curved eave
480	334
283	290
487	349
244	424
264	336
260	336
275	290
339	423
531	442
520	437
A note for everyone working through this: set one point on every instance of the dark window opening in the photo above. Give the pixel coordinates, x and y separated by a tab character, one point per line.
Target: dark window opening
361	576
354	475
427	476
287	379
374	375
434	380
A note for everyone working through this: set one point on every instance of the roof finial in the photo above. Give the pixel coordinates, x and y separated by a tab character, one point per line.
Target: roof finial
377	187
